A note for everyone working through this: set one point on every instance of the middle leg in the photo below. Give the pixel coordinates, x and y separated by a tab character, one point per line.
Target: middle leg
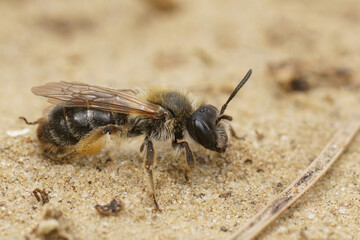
189	156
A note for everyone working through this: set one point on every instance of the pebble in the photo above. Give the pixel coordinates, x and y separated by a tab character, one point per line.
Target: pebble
16	133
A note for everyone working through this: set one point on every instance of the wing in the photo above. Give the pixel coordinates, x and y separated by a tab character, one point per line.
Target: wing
83	95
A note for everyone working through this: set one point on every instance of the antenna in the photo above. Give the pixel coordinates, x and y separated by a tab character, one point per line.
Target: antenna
247	76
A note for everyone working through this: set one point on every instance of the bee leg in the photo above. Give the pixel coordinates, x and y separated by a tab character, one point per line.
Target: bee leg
189	156
149	163
64	157
27	122
90	144
93	142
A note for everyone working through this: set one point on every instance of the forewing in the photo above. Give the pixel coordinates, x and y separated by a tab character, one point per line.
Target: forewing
83	95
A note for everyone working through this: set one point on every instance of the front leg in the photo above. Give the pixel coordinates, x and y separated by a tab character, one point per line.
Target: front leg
189	155
149	163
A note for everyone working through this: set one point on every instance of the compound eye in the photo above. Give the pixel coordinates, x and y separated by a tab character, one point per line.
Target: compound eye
201	127
202	133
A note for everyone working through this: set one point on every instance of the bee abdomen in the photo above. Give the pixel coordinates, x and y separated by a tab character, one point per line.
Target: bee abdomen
81	121
65	126
45	136
55	129
78	122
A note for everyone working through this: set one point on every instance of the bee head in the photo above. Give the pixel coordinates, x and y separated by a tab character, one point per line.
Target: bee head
206	125
206	128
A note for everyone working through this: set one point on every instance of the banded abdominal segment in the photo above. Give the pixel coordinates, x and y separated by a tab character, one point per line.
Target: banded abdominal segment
65	127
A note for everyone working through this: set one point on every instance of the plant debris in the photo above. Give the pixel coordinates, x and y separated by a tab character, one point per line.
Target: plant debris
41	195
110	209
226	194
303	183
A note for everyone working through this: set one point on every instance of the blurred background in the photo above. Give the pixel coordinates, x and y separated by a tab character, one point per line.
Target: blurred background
305	57
205	47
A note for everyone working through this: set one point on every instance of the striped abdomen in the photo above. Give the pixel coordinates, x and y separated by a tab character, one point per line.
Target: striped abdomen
66	126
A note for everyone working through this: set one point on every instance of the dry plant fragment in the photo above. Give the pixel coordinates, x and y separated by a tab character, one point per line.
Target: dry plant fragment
303	183
110	209
41	195
226	194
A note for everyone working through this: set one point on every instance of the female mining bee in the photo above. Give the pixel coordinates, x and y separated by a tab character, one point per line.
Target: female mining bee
85	116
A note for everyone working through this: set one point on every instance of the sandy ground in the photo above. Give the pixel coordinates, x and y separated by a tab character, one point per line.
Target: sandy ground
205	47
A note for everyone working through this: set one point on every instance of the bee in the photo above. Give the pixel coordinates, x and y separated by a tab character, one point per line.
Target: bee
85	116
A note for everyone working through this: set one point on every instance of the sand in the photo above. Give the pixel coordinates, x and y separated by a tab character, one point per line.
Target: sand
206	48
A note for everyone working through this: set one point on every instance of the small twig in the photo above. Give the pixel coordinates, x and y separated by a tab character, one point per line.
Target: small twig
303	183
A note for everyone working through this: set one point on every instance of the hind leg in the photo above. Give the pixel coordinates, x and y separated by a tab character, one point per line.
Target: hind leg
90	144
93	142
149	163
